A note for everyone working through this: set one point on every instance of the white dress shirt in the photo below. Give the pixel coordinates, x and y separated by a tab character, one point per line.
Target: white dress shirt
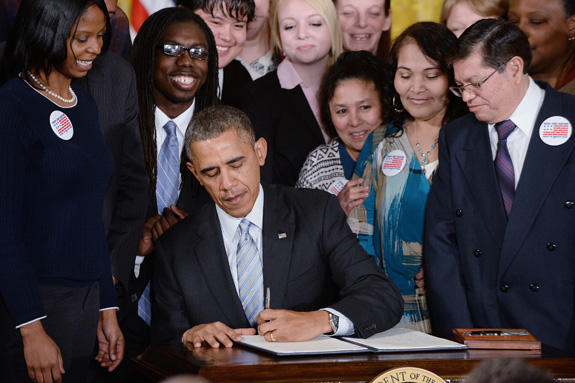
220	82
181	122
266	61
231	236
523	117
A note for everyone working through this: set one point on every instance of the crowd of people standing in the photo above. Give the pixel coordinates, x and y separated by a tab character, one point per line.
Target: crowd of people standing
428	148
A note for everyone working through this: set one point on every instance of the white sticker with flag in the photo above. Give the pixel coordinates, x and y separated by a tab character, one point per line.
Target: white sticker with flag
61	125
555	130
393	163
337	186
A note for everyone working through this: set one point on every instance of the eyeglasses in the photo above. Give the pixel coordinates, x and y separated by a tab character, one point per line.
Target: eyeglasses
473	87
176	50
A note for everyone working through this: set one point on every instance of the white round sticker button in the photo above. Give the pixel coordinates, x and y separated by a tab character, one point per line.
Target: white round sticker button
393	163
337	185
555	130
61	125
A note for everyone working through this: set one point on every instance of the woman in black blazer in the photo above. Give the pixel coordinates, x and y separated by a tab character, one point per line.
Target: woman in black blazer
283	105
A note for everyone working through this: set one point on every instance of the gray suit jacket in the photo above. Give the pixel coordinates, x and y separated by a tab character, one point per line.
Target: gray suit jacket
318	264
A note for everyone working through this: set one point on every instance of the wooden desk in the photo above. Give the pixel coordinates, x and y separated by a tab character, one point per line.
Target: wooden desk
239	364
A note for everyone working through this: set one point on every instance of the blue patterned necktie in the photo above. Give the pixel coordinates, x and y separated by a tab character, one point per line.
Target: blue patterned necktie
166	194
168	169
504	165
250	274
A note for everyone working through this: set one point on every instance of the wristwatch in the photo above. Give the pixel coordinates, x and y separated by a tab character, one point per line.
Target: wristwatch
333	322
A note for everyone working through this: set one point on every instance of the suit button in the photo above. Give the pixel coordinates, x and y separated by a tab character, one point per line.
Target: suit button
568	204
503	288
534	287
459	212
551	246
477	253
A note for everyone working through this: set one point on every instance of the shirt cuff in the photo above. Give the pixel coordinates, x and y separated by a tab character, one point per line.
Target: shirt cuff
32	321
346	327
114	308
139	260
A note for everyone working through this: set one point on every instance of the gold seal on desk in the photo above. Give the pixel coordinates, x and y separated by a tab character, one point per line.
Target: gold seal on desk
407	375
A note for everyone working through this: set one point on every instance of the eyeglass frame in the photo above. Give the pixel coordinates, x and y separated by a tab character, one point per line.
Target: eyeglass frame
193	51
458	90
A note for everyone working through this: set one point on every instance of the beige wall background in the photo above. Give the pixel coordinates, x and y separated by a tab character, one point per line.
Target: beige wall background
407	12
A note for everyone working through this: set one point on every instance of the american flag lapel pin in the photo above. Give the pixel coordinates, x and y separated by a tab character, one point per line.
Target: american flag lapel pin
282	235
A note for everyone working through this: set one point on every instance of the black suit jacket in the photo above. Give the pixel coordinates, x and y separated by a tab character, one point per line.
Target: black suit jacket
235	78
318	264
484	271
112	83
192	197
284	118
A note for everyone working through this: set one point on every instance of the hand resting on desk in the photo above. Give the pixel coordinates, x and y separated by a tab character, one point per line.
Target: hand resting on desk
292	326
214	334
286	326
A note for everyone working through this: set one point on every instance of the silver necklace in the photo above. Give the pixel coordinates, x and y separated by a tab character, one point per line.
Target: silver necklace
424	155
67	100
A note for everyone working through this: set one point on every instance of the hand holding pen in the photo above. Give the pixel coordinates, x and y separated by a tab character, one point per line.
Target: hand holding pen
291	326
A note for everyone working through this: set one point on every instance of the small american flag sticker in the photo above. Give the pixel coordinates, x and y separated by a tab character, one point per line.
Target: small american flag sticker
282	235
61	125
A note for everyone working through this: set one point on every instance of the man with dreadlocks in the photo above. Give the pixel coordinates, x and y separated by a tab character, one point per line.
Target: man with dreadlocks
176	63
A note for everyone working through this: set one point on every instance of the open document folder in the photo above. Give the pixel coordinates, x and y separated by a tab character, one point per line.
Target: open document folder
393	340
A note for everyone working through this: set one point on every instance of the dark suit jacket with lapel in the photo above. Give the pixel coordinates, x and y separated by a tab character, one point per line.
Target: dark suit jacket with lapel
482	271
136	331
192	197
318	264
112	83
235	78
284	118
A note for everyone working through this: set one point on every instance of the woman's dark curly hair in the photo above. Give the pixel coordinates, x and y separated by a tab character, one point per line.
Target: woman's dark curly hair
362	66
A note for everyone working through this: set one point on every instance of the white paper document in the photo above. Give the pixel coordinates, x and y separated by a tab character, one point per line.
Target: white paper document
393	340
403	339
320	345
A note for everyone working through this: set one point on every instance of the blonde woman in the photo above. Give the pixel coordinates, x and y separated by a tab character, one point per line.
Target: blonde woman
458	15
283	105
